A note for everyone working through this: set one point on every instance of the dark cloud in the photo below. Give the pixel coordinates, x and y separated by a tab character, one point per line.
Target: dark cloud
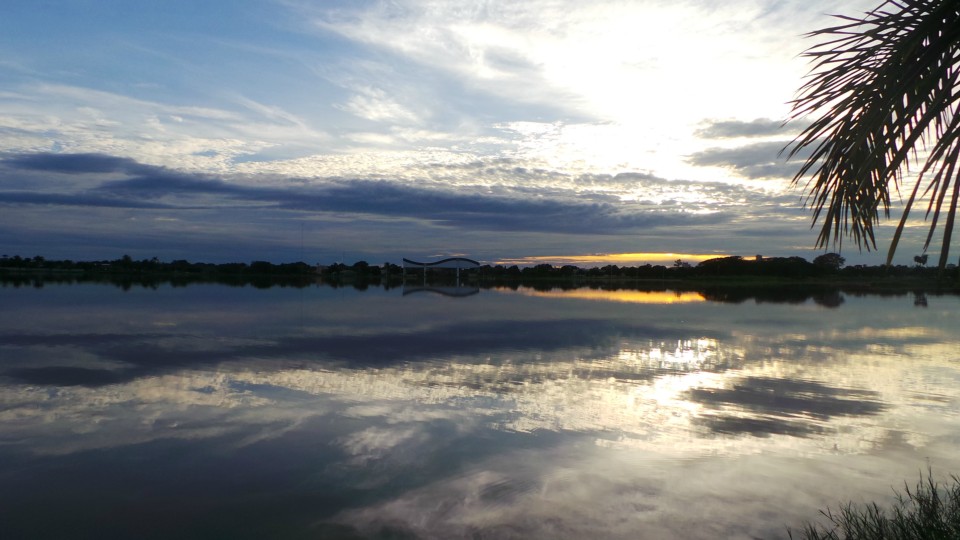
161	182
782	406
157	187
476	210
144	355
65	376
760	160
91	206
76	163
728	129
82	199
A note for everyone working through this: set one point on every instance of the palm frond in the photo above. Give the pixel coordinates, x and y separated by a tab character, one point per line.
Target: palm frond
884	96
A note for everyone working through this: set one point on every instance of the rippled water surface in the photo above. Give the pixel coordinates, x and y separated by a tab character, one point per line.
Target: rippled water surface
211	411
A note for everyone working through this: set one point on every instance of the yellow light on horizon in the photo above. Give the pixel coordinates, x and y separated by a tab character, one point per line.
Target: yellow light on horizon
624	296
613	258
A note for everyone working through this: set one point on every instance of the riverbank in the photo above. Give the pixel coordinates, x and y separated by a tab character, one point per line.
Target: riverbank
726	273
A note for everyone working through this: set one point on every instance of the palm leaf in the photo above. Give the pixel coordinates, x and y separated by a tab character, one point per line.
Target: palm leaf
884	96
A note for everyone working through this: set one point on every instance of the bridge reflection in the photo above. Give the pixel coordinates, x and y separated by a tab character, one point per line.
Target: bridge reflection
454	292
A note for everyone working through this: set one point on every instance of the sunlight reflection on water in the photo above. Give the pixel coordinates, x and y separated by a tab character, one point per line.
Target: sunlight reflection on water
622	295
503	415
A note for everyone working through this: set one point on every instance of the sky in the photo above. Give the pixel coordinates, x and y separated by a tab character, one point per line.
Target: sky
543	131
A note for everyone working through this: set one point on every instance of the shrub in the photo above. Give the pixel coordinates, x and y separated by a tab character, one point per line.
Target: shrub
929	511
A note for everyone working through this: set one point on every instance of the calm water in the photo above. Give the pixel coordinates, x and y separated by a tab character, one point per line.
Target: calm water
216	412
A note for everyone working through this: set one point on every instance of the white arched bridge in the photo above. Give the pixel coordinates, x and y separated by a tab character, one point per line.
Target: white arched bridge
454	263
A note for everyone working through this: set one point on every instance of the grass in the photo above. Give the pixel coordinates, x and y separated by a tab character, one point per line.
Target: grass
928	511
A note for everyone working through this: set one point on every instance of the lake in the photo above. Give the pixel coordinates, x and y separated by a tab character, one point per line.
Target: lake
209	411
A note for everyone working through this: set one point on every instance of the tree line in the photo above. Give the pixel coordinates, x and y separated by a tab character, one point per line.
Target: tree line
825	265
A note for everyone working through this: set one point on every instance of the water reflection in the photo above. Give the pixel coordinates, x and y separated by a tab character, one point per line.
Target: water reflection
644	292
453	292
498	415
763	406
628	296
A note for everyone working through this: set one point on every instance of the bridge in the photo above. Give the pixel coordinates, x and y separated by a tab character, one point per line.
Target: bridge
456	263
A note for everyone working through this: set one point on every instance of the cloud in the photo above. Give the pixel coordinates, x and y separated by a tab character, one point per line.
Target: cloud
515	210
596	62
156	182
97	205
754	161
782	406
317	79
75	163
55	199
463	48
39	117
726	129
126	359
375	105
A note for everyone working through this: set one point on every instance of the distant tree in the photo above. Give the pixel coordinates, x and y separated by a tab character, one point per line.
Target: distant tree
785	267
725	266
232	268
829	261
180	265
610	270
882	96
679	263
261	267
541	269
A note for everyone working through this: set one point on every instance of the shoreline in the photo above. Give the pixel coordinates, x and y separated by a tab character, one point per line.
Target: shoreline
692	283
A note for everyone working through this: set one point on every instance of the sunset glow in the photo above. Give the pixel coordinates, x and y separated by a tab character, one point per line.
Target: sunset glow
349	131
624	296
619	259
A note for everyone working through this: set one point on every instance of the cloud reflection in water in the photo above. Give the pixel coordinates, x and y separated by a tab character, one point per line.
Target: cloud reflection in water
530	416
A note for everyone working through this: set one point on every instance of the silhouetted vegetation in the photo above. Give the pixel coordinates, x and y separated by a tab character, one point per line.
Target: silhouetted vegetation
881	97
753	273
825	269
928	511
126	272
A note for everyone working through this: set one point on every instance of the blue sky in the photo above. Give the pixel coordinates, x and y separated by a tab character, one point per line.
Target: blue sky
518	132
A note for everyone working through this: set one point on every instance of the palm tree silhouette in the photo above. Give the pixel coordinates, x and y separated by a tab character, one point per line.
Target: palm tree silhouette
883	95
